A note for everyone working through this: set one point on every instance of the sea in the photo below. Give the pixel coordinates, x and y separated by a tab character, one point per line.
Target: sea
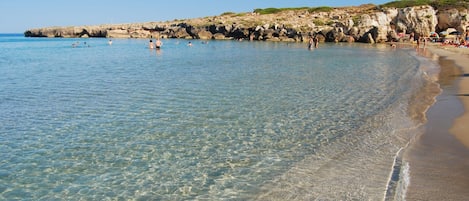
81	119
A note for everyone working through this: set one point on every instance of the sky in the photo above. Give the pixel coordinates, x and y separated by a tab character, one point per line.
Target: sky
17	16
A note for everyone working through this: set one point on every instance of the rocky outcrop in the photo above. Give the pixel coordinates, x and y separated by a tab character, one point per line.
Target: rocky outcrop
421	19
366	23
453	18
204	35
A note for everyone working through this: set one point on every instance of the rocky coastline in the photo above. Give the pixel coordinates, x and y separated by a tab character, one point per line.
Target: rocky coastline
366	23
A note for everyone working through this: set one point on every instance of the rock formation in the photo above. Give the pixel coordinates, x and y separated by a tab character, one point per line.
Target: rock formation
366	23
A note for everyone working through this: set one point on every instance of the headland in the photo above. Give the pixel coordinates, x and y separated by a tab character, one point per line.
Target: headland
367	23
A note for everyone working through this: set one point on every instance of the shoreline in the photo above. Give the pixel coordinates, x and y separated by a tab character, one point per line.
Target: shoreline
439	158
460	57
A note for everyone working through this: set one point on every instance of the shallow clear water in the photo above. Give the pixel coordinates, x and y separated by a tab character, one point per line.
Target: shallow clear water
224	120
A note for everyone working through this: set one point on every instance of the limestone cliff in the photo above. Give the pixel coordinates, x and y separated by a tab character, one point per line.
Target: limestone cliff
365	23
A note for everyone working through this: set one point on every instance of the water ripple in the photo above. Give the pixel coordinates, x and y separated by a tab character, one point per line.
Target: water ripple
187	123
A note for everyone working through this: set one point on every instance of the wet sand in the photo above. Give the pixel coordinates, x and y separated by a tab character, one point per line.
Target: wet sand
460	56
439	158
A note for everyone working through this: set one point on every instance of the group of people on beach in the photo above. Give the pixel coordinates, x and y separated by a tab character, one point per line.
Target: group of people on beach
461	41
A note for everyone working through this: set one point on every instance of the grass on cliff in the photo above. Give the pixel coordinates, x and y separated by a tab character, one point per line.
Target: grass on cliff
264	11
438	4
232	14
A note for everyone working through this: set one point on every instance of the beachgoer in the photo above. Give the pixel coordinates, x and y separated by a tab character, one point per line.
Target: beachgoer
189	44
316	42
467	35
158	43
418	42
310	42
110	42
462	43
75	44
151	44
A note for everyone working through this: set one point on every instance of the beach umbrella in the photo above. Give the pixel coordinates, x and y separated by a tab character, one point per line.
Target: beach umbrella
455	33
443	33
433	34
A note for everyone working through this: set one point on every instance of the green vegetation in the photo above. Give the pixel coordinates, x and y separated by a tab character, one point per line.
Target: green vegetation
264	11
356	20
233	14
330	23
228	13
320	9
438	4
267	10
444	4
405	3
318	22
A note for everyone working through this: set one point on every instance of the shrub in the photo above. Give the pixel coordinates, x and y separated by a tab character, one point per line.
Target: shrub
320	9
267	10
228	13
319	22
405	3
330	23
356	20
438	4
277	10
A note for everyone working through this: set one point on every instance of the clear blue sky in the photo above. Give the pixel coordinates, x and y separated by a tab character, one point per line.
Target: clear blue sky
16	16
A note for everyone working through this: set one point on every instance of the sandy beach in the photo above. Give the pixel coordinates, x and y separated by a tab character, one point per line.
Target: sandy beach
439	159
460	56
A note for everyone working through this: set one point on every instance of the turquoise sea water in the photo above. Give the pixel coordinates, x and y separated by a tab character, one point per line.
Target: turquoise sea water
224	120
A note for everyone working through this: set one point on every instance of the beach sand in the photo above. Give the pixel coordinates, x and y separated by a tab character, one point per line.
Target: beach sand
439	158
460	56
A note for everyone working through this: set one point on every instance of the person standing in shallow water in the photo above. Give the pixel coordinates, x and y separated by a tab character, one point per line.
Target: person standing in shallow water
310	42
158	43
316	42
418	42
150	45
